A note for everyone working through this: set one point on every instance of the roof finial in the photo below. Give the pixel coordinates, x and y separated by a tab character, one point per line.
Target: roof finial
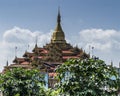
36	41
15	51
59	16
111	63
7	63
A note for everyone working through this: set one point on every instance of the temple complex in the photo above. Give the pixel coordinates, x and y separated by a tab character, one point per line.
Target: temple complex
48	57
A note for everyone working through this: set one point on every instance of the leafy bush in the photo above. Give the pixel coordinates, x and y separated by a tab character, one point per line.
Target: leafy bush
22	82
88	77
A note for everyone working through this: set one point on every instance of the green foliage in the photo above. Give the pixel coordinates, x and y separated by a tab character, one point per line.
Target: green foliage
77	77
52	92
87	77
22	82
118	82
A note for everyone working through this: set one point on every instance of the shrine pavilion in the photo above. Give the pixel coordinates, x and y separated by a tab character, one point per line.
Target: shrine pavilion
48	57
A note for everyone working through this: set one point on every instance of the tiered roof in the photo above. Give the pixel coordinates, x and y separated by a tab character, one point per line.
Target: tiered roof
51	55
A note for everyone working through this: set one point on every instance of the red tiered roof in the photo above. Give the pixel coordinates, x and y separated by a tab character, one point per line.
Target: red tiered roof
67	52
28	54
25	63
44	51
20	65
68	57
20	60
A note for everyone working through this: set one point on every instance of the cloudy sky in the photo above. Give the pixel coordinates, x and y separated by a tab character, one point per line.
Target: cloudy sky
86	23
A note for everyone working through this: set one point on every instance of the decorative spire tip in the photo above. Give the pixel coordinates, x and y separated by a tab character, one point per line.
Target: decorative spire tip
59	16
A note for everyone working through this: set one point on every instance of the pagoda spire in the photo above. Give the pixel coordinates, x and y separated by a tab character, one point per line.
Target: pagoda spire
59	16
58	34
58	27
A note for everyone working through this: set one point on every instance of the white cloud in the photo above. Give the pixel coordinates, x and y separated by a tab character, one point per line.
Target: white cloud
21	38
106	43
100	39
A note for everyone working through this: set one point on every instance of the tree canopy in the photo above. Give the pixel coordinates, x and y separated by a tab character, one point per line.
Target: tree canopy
88	77
22	82
77	77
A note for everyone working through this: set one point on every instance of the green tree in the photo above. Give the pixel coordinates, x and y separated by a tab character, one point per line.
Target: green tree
52	92
118	69
88	77
22	82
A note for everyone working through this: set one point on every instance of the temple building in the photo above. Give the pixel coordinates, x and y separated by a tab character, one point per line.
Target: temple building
48	57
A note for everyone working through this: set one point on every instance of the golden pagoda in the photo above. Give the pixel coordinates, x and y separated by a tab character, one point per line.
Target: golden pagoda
58	34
